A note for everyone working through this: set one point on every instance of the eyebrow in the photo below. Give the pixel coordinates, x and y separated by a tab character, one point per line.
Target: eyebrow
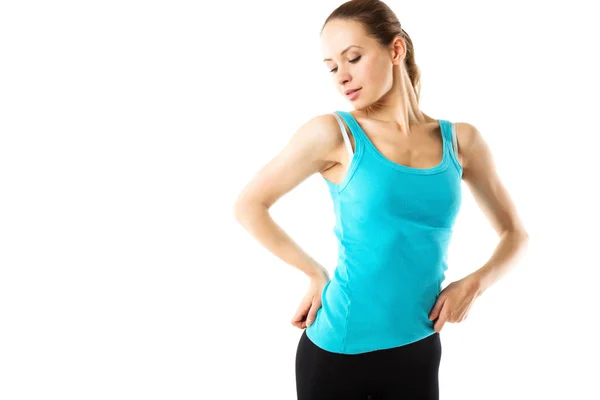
342	53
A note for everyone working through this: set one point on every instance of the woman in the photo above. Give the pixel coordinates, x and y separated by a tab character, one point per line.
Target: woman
394	174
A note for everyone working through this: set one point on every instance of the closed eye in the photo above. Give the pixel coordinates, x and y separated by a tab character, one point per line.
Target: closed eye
352	61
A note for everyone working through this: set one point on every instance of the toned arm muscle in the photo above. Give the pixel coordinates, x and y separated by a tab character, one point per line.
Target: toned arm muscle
483	180
310	150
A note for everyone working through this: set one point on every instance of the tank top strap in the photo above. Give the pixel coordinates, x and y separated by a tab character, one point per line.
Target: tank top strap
449	135
353	125
344	134
448	132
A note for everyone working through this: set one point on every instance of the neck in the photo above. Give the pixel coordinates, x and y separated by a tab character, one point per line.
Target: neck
399	106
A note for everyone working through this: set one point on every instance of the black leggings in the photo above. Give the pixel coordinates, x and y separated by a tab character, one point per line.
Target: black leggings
408	372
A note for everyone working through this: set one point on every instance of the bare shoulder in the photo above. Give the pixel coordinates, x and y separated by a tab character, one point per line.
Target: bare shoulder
483	179
467	135
474	151
309	150
323	133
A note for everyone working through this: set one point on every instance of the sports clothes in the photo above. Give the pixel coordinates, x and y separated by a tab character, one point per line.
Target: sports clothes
405	372
393	225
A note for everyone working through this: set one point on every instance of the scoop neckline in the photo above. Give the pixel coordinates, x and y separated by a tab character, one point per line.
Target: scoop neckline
443	164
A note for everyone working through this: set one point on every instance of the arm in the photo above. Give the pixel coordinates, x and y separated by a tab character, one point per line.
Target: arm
479	172
311	149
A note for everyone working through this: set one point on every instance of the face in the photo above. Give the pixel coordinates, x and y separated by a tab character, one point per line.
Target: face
365	65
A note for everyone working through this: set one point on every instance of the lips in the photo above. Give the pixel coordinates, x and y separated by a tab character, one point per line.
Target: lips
349	92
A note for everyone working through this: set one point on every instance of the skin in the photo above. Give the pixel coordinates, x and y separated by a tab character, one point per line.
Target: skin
388	111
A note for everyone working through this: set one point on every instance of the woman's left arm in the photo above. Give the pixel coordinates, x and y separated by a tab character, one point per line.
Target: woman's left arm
480	175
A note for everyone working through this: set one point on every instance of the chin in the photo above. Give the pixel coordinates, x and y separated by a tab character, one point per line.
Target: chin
356	103
359	105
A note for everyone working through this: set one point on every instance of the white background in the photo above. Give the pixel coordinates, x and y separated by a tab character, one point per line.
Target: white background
128	129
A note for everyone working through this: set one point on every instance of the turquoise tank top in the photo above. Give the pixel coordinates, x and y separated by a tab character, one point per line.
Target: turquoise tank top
393	224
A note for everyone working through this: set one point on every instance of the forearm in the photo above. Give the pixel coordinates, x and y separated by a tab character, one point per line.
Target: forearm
257	220
511	246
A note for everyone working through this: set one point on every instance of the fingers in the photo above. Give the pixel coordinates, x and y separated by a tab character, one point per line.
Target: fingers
439	324
439	314
311	315
304	319
300	324
299	319
435	311
307	310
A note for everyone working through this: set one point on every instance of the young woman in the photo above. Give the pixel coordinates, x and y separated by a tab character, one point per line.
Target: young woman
394	174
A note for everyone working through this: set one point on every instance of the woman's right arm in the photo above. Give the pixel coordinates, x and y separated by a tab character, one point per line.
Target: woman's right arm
311	149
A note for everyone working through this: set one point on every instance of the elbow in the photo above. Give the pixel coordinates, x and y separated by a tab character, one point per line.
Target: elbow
521	234
239	209
525	238
243	209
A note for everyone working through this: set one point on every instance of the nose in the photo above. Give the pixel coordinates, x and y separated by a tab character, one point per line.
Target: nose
342	76
343	80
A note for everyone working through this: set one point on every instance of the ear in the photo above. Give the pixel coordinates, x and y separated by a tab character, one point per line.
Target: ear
398	50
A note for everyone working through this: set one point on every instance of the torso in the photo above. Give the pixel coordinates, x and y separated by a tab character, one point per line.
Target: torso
395	206
421	149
